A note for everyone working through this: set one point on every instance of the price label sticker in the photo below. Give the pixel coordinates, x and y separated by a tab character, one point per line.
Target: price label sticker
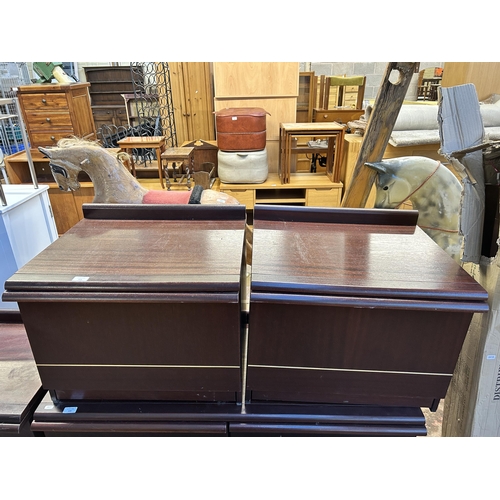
70	409
81	278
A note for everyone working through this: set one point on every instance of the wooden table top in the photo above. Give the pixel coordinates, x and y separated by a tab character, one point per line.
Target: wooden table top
358	259
141	255
144	141
177	153
312	127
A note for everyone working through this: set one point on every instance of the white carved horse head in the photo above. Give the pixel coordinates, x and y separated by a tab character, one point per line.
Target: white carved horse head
432	189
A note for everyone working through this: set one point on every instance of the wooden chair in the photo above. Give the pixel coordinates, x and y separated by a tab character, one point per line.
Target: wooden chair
429	79
337	99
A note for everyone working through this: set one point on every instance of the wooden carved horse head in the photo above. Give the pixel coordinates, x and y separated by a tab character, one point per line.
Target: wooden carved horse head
113	183
432	189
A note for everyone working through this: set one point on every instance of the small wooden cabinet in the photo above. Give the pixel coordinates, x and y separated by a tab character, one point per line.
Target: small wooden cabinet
53	112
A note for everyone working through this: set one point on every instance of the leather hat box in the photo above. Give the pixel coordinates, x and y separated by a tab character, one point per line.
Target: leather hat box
241	129
243	167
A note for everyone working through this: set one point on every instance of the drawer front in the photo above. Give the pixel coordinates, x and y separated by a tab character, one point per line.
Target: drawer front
244	196
48	121
53	102
49	138
323	197
350	100
324	116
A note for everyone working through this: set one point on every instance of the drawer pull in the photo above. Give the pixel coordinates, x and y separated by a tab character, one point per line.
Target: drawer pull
48	119
52	138
44	101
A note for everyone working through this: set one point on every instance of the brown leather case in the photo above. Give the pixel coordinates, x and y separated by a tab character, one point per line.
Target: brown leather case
241	129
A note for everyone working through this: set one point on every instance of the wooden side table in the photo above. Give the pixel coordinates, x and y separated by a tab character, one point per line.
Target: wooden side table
183	157
154	142
330	130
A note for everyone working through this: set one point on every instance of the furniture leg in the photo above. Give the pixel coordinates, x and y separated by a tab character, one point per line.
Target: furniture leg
160	171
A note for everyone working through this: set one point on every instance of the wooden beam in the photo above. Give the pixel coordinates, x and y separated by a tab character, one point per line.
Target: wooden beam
385	111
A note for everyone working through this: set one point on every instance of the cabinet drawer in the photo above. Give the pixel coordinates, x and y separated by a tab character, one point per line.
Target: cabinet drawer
45	120
53	102
351	88
244	196
49	138
323	197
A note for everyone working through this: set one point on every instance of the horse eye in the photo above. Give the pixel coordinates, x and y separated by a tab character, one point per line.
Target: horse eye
385	188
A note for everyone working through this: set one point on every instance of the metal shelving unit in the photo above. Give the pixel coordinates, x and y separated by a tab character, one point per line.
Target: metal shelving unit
10	117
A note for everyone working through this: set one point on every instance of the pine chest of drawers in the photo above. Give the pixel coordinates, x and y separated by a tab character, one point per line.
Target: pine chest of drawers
54	111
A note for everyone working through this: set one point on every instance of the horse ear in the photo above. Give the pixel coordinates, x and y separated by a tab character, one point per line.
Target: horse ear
378	166
44	151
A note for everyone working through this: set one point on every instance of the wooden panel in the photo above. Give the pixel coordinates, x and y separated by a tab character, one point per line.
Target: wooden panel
178	86
244	196
192	97
83	121
323	197
84	195
484	75
64	209
201	100
253	79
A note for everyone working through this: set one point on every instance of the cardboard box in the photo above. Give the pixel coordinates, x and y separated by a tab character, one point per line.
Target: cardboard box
472	403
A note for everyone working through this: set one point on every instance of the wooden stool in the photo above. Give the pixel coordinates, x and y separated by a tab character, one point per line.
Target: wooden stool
183	156
154	142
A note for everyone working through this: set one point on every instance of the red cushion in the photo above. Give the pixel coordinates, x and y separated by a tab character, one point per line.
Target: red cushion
166	197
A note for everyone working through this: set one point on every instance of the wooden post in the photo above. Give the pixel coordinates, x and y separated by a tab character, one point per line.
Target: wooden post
378	131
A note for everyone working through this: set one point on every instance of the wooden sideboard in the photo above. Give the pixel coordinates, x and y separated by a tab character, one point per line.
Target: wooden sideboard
311	190
54	111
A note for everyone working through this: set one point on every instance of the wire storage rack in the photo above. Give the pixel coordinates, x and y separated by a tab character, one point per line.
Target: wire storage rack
12	74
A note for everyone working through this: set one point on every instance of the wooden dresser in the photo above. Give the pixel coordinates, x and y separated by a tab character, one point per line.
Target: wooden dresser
107	84
52	112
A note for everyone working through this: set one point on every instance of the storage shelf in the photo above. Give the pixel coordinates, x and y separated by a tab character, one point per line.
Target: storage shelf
303	189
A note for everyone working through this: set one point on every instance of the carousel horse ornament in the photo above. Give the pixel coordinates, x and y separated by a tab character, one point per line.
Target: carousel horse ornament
432	189
113	183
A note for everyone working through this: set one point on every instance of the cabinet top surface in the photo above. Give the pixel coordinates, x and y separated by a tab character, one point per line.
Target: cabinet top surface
50	87
139	255
370	260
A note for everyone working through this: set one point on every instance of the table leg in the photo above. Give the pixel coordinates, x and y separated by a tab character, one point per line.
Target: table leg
330	158
160	170
132	163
